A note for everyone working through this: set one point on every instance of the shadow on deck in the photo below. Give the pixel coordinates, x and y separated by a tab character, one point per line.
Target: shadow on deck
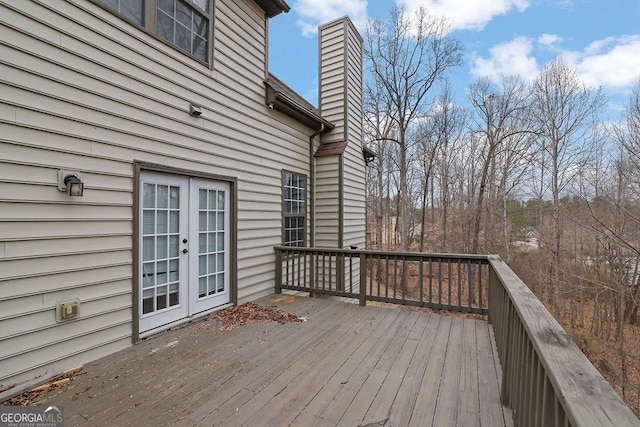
347	365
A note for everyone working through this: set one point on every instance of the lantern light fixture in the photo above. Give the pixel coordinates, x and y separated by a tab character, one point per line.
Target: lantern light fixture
70	183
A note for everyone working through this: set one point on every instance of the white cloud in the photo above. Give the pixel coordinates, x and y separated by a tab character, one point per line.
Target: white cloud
313	13
507	59
613	62
465	14
549	40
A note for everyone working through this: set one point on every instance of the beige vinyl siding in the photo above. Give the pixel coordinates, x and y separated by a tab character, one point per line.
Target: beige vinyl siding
82	89
332	79
354	165
327	201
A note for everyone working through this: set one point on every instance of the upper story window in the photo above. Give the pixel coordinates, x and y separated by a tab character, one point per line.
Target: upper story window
185	24
294	209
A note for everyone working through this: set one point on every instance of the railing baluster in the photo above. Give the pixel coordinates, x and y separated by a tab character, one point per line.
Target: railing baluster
431	281
480	303
439	283
449	282
403	281
459	287
363	280
421	281
386	277
469	278
278	272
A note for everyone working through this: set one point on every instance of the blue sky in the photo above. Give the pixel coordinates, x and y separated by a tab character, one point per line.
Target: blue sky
599	38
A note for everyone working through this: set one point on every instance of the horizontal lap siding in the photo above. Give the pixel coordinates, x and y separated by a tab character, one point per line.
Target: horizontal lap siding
81	89
327	209
354	179
332	80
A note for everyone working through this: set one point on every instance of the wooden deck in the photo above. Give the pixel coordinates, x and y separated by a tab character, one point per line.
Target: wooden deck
347	365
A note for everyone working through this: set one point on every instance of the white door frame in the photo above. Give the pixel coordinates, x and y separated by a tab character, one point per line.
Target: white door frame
190	302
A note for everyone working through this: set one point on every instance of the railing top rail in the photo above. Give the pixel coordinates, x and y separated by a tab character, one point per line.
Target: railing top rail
588	399
412	255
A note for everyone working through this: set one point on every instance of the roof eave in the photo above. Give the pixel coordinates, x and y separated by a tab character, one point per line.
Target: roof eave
281	102
273	7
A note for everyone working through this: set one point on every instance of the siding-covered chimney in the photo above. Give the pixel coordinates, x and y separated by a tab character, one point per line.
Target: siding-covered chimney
340	165
340	78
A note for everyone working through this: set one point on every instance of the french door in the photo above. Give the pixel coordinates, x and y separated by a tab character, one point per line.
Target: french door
184	246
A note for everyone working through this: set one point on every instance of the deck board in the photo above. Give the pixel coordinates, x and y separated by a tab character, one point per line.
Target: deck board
347	365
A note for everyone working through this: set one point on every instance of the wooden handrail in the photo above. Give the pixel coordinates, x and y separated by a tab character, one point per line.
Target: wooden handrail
546	379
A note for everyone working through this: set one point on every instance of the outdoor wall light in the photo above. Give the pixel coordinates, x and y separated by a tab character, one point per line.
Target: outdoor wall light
75	187
70	183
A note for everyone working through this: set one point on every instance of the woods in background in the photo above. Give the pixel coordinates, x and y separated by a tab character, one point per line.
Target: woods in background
528	170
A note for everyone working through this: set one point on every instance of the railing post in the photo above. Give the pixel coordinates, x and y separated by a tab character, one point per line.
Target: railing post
340	272
278	271
363	279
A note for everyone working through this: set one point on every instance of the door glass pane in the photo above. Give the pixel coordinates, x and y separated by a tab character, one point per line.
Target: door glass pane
221	200
212	243
161	297
174	198
220	246
174	295
163	196
174	265
202	199
148	248
162	222
161	272
149	197
174	226
202	287
148	274
162	247
213	205
212	221
173	246
211	284
220	220
148	222
202	221
202	265
211	267
202	243
220	263
147	301
220	278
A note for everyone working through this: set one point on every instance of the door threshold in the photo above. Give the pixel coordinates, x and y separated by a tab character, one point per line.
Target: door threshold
181	322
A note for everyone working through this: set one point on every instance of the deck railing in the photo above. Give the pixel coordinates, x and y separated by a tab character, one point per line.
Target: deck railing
438	281
546	379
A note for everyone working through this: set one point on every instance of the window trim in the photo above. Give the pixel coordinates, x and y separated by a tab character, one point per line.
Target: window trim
303	215
149	23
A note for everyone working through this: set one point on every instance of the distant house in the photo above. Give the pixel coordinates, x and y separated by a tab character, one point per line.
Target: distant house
149	163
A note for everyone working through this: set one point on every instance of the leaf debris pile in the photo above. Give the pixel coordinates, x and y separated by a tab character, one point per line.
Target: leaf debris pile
37	395
252	312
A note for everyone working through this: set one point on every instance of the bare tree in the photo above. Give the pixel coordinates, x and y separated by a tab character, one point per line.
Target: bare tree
567	112
407	56
500	116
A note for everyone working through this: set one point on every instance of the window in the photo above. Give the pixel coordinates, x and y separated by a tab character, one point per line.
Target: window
294	208
185	24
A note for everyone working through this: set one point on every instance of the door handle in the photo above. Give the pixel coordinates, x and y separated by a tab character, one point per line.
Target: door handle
185	250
